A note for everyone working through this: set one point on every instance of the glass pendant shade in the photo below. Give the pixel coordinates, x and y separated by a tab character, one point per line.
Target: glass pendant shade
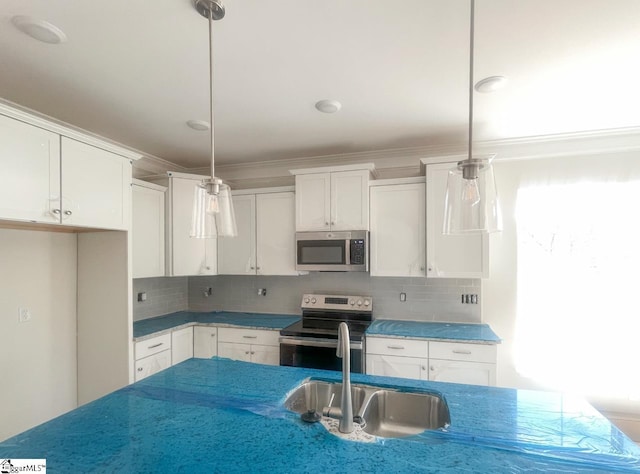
213	214
471	200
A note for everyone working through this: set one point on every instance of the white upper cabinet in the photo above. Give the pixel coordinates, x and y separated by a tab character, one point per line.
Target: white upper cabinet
276	245
237	255
185	255
397	246
96	187
313	201
30	178
265	244
450	256
332	200
49	178
147	229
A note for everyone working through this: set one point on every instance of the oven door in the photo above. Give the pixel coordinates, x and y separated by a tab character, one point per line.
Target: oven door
316	353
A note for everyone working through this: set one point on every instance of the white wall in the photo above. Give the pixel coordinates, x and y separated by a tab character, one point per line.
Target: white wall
38	357
499	292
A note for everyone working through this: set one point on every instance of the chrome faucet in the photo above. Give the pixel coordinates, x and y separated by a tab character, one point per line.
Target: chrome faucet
345	413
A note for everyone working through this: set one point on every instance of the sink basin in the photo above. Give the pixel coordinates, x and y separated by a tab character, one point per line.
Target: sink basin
317	394
385	412
395	414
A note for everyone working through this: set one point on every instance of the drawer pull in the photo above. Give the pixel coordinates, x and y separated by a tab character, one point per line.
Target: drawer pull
462	352
139	369
155	345
395	347
250	337
213	334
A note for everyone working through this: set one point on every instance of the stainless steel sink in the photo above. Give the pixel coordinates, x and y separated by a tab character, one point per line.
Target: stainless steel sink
383	411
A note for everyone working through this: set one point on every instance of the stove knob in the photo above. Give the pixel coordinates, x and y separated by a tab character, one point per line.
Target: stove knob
359	302
352	302
306	300
367	302
313	301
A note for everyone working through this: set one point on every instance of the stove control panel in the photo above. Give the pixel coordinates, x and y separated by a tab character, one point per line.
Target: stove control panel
338	302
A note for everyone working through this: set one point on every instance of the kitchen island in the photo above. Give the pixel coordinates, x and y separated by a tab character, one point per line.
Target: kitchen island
219	415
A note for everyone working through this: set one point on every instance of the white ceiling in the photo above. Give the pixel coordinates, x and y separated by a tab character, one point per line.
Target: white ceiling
136	71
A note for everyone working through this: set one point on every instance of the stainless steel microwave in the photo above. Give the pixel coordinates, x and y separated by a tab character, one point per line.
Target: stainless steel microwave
346	251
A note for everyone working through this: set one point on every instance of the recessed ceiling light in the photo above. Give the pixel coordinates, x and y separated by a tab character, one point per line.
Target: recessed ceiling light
39	29
328	106
199	125
490	84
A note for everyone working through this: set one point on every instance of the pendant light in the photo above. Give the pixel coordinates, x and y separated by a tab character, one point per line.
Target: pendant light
471	200
213	214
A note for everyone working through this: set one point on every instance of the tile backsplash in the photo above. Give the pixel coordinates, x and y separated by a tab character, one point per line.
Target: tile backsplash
426	299
164	295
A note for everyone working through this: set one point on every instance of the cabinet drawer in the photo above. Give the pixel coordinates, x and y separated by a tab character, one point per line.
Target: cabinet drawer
153	346
462	351
397	347
249	336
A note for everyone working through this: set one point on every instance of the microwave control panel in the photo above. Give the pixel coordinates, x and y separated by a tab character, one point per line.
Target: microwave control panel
358	252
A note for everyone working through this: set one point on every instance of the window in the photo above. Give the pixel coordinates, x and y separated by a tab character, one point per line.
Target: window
578	308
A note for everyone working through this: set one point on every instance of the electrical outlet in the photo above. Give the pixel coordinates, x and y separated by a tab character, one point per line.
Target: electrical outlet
468	298
403	297
142	296
262	292
208	291
24	315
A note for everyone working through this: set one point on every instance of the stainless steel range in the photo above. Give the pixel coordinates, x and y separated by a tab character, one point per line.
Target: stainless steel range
312	342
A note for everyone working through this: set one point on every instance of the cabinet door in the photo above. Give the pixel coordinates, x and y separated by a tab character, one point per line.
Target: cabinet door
450	256
276	244
237	255
181	345
205	342
232	350
394	366
350	200
269	355
475	373
147	229
398	230
152	364
96	187
185	255
30	177
313	202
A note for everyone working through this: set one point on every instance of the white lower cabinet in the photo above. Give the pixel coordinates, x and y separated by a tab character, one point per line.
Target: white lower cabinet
181	345
205	342
432	360
397	366
152	364
249	345
152	355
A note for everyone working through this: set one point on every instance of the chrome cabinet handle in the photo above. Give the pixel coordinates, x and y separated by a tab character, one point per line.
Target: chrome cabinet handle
252	352
67	213
326	223
139	369
155	345
247	352
250	337
252	268
213	334
432	368
395	347
462	352
55	211
423	367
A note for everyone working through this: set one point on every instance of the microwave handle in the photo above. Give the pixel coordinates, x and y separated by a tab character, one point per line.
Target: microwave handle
347	251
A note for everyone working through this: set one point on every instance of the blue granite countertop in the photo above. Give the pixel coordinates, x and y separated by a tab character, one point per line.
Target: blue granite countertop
155	326
219	415
477	333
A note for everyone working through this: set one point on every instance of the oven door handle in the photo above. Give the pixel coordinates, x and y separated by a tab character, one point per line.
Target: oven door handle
316	342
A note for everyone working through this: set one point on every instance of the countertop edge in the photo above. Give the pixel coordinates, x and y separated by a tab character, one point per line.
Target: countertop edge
485	342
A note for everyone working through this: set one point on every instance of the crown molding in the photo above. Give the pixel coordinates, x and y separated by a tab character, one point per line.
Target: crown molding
37	119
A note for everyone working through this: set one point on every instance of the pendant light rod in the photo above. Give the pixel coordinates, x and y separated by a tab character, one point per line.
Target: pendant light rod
471	54
211	93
